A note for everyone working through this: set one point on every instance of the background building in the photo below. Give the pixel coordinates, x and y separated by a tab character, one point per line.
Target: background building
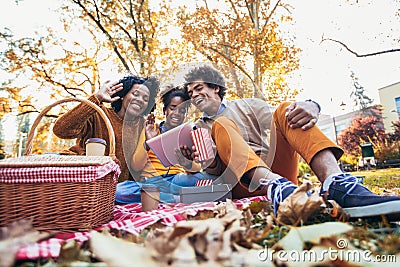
390	101
332	126
389	96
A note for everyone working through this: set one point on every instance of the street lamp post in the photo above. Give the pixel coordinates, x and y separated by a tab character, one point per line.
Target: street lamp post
336	140
334	129
342	106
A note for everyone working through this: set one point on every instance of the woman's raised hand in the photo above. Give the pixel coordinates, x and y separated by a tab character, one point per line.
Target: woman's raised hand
150	129
107	90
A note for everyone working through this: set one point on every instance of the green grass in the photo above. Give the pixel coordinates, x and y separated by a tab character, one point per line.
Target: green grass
381	181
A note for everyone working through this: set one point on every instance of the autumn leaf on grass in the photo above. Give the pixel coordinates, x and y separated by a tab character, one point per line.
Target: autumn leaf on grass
299	205
209	240
297	236
206	237
162	243
15	235
256	207
71	251
333	209
226	248
116	252
224	208
294	247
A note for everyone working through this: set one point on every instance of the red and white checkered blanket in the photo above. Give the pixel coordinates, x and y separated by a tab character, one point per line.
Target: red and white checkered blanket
129	218
59	174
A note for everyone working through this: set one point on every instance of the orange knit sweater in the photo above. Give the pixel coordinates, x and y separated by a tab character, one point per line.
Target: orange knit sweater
84	122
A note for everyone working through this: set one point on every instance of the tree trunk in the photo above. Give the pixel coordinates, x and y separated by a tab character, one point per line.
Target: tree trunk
254	8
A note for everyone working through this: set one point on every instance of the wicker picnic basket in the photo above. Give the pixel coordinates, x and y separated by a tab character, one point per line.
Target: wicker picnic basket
59	192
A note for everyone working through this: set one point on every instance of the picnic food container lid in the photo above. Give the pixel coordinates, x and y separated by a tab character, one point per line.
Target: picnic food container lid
47	160
96	140
150	188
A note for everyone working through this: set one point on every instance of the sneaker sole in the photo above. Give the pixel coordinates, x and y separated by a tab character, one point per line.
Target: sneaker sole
385	208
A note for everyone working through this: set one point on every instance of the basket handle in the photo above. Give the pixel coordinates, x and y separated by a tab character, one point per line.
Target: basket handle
110	129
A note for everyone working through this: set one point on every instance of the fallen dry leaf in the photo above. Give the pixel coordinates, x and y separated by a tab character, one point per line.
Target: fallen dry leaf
333	209
162	245
247	218
226	249
17	234
299	206
71	251
205	237
297	236
292	248
223	208
214	239
219	209
184	253
116	252
209	240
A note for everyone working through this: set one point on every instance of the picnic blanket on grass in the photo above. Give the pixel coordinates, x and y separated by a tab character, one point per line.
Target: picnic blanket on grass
129	218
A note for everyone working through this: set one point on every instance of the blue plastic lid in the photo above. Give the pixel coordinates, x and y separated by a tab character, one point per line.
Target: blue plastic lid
96	140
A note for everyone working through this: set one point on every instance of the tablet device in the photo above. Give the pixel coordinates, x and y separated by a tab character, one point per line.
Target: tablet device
164	145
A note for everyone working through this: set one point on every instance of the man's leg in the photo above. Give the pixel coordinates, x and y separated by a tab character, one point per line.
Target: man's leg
242	164
315	148
322	155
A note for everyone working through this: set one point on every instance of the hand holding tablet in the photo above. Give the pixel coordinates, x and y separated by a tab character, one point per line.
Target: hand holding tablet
164	145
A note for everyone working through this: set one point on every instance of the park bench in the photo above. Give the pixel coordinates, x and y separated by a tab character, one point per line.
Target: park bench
391	163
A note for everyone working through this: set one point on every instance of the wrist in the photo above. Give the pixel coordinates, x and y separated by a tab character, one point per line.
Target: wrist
146	147
315	103
189	165
212	164
99	98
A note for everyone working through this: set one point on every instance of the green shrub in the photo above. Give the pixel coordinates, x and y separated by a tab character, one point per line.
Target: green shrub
349	159
388	151
304	168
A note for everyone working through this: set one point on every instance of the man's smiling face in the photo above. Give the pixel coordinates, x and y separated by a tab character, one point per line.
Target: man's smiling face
205	98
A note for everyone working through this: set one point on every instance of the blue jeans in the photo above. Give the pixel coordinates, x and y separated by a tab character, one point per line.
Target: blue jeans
128	192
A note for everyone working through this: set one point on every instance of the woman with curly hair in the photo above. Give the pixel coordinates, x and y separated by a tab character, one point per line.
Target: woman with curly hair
152	172
131	99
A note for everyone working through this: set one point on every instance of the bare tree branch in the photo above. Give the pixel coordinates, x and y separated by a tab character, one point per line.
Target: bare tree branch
357	54
36	111
232	62
272	13
101	27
